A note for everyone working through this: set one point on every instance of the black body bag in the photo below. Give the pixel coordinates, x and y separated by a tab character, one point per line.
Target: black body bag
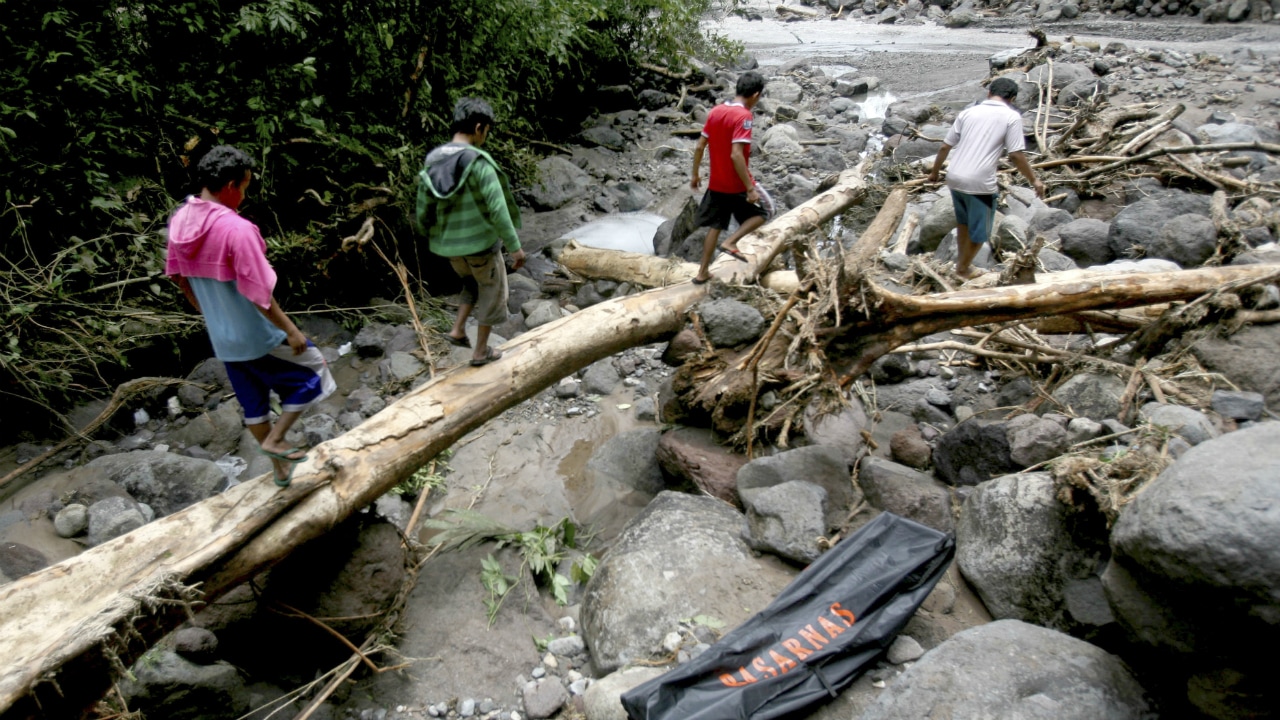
815	638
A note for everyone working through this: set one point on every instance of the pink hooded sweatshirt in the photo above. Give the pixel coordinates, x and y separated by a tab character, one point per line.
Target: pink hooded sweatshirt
208	240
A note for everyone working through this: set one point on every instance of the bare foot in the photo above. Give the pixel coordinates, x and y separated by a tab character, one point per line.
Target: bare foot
968	273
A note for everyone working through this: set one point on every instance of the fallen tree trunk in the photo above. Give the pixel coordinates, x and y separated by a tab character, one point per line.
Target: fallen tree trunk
67	630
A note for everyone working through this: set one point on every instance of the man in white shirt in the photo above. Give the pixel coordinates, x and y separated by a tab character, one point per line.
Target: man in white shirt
980	135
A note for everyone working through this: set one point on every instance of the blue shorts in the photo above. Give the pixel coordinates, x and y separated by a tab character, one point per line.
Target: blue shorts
298	380
977	212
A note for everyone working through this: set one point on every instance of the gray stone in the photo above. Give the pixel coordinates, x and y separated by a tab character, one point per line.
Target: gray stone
17	559
1033	440
904	649
567	646
1023	671
939	220
603	698
1140	224
544	698
823	466
1082	92
840	430
567	388
1086	241
682	556
71	520
1047	218
540	312
730	322
1092	395
973	452
1082	429
559	183
1188	240
318	428
1190	424
849	86
786	519
1235	404
394	509
783	91
165	481
902	491
1247	359
908	447
646	408
164	684
1053	261
892	368
632	197
365	401
603	136
196	644
600	378
1019	546
963	16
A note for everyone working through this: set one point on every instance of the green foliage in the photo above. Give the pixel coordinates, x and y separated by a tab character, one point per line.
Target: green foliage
542	550
105	107
426	478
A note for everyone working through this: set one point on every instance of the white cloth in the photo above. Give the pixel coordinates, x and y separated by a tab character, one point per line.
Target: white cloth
980	135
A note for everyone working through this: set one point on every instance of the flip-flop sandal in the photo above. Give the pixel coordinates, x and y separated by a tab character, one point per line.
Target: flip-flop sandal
490	357
462	342
284	457
734	253
704	281
285	481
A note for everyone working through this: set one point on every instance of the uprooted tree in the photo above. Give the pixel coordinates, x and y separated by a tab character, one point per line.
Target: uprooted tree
67	630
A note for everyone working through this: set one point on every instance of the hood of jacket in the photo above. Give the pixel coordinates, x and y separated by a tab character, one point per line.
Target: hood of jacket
446	168
189	226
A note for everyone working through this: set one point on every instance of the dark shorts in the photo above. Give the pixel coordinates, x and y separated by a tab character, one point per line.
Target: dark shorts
976	212
298	380
716	208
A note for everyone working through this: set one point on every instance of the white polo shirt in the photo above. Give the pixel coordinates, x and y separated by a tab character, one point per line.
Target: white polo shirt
980	135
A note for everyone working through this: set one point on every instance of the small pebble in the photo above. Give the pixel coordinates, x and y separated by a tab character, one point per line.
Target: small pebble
467	708
539	672
549	660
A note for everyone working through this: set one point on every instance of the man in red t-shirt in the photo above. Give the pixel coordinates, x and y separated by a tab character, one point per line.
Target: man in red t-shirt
731	192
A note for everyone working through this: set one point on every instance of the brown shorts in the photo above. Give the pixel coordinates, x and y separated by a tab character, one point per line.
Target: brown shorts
484	285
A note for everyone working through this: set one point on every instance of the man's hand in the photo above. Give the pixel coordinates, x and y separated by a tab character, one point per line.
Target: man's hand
695	181
1039	186
753	196
297	341
517	259
933	176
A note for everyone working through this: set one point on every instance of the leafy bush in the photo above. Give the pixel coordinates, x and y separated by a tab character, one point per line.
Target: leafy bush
106	106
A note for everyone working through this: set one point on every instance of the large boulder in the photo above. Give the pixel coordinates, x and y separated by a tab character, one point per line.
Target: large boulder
166	481
841	429
1188	423
692	455
1012	669
622	475
1195	572
1031	557
1085	241
1247	358
973	452
787	519
1187	239
938	220
165	684
1141	224
730	322
112	517
1093	395
683	556
902	491
822	466
560	182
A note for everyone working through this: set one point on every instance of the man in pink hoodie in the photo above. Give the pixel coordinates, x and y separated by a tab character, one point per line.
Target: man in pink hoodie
219	260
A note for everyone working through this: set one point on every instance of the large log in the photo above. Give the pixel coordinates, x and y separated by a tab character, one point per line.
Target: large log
67	630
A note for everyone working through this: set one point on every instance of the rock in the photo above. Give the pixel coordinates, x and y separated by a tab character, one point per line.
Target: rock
1140	225
196	644
784	91
904	649
939	220
567	388
961	17
1188	240
786	519
682	556
624	475
908	447
1024	671
820	465
973	452
567	646
167	685
1247	359
1092	395
682	347
542	312
1046	218
112	517
1195	569
1082	92
71	520
559	183
217	430
164	481
1064	74
1021	548
1086	241
692	454
544	698
320	428
1053	261
892	368
849	86
17	559
600	378
900	490
632	197
1082	429
603	136
730	322
1237	405
1033	439
1186	422
603	698
365	401
841	430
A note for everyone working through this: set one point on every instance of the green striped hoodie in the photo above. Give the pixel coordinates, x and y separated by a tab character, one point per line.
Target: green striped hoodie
465	202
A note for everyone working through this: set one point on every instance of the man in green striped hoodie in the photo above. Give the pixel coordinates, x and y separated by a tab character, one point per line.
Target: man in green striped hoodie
466	209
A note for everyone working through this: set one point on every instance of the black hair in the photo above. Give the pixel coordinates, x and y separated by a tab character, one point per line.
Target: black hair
470	112
1003	87
749	83
222	165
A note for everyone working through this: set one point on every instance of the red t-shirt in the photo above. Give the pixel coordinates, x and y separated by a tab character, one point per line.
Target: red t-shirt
727	124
